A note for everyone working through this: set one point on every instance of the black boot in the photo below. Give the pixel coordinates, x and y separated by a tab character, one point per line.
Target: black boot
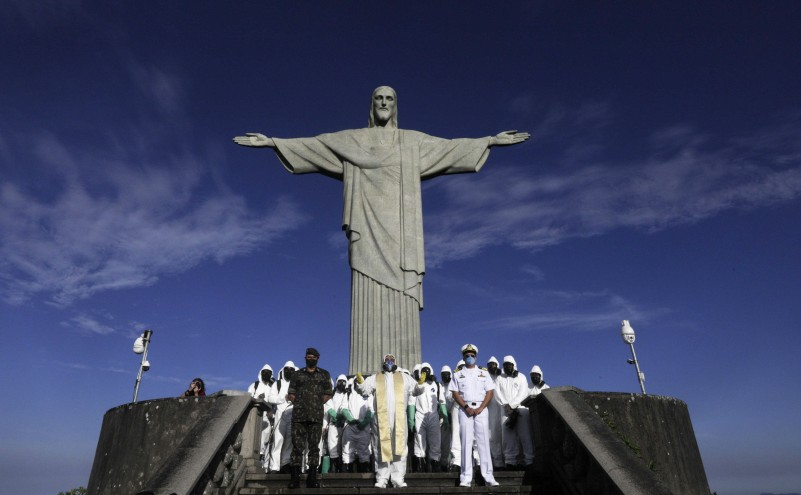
295	480
338	465
346	467
364	467
430	464
421	465
311	477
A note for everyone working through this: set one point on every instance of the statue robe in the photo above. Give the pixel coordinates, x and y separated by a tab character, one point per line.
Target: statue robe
381	170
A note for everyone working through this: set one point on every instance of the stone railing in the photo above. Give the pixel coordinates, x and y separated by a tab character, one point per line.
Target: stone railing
594	443
198	445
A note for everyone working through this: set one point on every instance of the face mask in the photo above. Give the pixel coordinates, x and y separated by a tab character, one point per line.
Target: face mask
508	369
389	365
340	387
470	360
446	378
311	363
266	376
288	374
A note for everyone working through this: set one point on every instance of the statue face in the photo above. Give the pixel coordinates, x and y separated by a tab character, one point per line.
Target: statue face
383	105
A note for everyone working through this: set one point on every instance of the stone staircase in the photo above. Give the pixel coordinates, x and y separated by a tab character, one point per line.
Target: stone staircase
258	483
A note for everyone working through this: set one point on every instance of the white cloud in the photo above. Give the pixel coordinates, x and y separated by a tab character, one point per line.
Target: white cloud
536	272
684	179
86	323
561	310
162	87
113	226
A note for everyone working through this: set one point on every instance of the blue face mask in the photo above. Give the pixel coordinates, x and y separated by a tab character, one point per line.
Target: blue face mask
470	360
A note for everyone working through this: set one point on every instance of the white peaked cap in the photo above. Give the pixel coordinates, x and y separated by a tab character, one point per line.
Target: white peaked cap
460	363
469	347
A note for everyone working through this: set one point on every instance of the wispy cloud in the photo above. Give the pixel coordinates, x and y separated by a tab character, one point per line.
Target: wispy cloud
86	323
683	178
109	225
573	310
162	87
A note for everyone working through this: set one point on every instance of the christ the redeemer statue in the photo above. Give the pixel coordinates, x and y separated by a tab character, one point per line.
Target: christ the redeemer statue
381	167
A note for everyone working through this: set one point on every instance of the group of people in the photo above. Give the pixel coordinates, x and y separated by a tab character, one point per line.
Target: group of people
471	415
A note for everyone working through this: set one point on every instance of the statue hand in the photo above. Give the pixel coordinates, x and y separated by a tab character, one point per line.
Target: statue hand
508	138
422	379
359	378
254	140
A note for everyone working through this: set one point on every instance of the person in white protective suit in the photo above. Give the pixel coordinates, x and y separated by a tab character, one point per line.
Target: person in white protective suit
537	382
260	389
357	416
429	408
511	389
282	429
391	390
455	465
334	425
445	375
495	419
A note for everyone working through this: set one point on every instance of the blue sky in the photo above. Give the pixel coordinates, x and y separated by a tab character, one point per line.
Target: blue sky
662	184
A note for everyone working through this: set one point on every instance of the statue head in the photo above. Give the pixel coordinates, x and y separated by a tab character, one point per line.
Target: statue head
383	108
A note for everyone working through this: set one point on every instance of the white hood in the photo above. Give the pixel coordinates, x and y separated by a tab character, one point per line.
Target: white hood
265	367
510	359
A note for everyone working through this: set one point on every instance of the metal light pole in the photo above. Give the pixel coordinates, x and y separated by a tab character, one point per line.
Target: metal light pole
140	347
627	333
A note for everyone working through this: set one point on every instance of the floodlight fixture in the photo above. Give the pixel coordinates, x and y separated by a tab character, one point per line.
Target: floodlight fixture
140	347
627	334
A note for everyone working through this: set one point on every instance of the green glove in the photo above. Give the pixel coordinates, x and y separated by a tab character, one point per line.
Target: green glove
348	416
410	416
368	418
443	413
332	414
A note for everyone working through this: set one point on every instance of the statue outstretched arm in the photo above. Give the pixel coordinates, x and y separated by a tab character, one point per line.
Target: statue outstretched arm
508	138
255	140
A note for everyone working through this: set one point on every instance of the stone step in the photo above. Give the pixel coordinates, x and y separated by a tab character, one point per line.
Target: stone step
410	490
366	480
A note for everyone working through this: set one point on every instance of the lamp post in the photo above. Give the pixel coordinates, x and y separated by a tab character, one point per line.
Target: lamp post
627	334
140	347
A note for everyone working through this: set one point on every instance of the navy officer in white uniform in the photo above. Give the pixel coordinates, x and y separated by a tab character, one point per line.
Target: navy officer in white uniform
472	388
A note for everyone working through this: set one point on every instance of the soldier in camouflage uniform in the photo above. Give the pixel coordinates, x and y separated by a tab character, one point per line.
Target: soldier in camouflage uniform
309	390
